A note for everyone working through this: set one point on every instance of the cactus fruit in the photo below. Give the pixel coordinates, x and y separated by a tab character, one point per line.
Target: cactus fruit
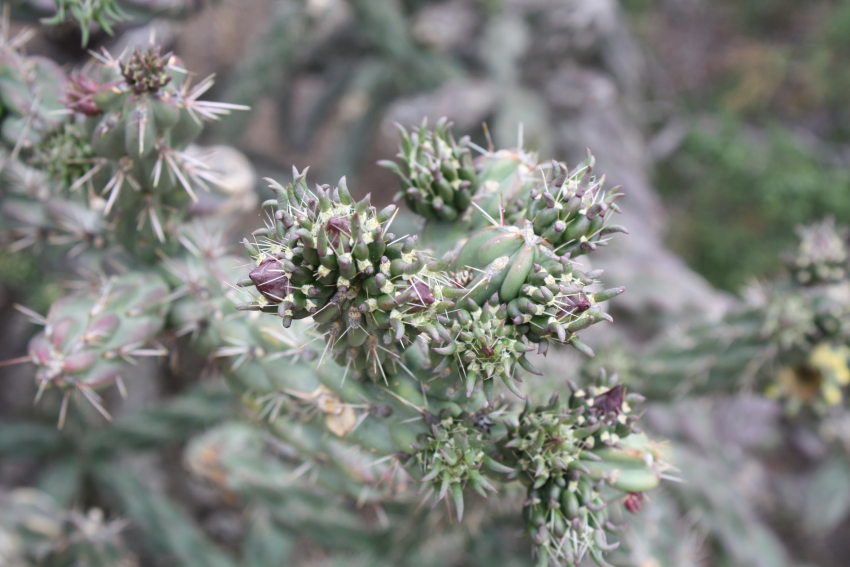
573	459
437	175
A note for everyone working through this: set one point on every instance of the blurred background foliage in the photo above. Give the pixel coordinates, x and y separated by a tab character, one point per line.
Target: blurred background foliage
758	92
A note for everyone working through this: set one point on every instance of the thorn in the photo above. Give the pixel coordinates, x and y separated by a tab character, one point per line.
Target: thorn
34	317
14	361
490	145
63	410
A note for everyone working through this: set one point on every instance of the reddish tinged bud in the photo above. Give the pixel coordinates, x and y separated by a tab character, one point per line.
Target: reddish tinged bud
611	402
80	95
270	280
633	502
421	297
577	303
336	226
581	303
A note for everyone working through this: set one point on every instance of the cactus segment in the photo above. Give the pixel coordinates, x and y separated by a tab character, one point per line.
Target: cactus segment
437	174
88	337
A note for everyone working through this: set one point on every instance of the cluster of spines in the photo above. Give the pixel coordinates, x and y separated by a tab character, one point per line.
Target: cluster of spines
35	529
64	155
146	71
566	520
483	346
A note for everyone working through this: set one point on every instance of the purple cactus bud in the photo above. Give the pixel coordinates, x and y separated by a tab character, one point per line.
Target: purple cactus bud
633	502
421	297
611	402
336	226
581	303
270	280
577	303
80	95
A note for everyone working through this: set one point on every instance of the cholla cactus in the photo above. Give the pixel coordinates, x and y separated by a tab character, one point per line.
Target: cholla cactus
571	209
35	530
140	113
568	208
433	337
790	339
821	257
118	156
572	457
30	93
334	260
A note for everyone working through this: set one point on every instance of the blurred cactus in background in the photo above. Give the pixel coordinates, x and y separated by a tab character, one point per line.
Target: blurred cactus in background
102	13
362	384
36	531
787	339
